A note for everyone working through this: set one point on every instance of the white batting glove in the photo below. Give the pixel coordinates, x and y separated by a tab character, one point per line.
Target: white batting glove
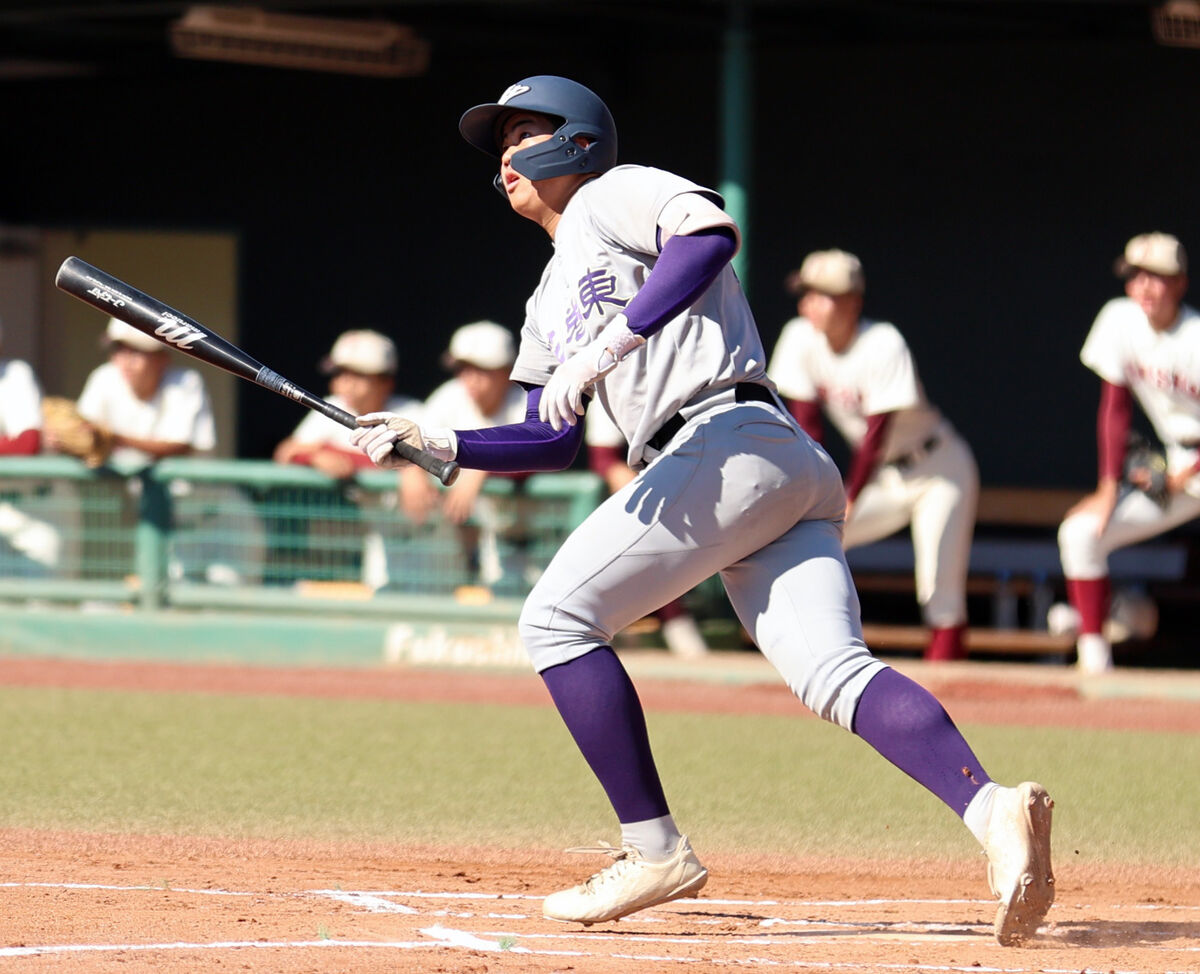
379	432
562	398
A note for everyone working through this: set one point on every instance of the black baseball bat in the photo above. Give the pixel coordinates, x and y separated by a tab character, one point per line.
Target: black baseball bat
176	330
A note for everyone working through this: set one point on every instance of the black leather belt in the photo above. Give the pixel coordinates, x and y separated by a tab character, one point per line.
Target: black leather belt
742	392
910	460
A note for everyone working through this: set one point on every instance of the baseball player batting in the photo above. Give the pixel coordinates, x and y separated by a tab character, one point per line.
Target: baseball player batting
639	311
910	467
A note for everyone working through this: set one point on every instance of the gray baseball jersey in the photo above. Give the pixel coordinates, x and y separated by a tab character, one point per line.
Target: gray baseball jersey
606	243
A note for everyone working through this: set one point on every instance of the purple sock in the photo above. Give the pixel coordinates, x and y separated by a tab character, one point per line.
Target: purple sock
601	709
904	722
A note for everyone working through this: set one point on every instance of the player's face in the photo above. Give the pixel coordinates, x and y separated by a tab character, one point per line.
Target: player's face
833	315
486	387
360	392
1157	295
143	371
541	201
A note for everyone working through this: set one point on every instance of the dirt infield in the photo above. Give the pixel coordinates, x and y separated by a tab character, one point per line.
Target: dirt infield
100	903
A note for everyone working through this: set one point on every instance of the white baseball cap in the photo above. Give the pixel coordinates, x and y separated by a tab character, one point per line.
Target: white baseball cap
1158	253
362	350
118	332
483	344
835	272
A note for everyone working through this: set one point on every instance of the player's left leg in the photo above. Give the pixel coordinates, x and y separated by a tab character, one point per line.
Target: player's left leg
882	508
1084	550
797	600
946	487
687	516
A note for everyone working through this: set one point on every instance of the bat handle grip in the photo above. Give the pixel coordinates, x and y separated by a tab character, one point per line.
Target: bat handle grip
445	470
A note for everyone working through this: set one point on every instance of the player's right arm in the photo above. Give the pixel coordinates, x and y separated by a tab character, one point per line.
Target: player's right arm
1113	418
529	446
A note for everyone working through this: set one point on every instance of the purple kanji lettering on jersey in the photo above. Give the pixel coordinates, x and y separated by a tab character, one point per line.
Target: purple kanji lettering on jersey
595	288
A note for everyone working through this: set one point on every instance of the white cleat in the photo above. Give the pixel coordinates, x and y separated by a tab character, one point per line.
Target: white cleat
630	884
1019	870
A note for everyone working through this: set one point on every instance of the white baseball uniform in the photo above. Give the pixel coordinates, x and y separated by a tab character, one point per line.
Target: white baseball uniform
451	406
178	412
1162	370
740	489
926	478
20	398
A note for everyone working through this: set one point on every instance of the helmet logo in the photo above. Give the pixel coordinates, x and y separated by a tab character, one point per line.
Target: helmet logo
511	92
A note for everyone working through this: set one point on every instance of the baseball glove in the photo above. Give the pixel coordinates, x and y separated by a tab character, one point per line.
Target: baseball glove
1146	470
68	432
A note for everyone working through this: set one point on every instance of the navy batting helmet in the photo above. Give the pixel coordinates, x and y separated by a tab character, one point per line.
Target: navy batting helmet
579	111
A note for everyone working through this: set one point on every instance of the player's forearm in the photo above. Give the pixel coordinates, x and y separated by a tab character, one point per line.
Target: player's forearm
520	447
685	269
808	415
156	448
1113	420
866	458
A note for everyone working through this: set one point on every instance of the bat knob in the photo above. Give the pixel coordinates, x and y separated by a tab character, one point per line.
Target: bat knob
449	473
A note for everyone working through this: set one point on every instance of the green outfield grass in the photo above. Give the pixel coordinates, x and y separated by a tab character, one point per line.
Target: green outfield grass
391	771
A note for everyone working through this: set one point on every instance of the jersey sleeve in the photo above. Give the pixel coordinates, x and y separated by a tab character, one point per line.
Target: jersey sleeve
891	381
91	401
535	361
1102	350
195	417
638	208
788	362
315	427
22	409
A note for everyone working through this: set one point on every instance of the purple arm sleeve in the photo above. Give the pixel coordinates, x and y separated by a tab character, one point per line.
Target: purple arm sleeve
520	447
685	269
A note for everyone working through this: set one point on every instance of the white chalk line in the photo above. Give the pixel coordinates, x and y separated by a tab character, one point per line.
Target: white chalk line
441	937
128	889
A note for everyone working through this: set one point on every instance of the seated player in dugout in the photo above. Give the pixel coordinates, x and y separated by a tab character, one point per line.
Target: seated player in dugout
1143	346
20	407
639	311
480	395
909	467
151	408
361	367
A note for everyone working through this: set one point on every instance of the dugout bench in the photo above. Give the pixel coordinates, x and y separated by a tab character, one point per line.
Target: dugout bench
1015	570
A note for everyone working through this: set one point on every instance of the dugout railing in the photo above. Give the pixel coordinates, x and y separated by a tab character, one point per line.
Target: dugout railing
247	534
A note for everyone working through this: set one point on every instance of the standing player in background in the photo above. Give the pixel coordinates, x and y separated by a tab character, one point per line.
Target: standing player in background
606	450
20	407
1145	345
909	466
362	377
639	307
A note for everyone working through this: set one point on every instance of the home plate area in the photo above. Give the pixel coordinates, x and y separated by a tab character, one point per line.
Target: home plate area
163	927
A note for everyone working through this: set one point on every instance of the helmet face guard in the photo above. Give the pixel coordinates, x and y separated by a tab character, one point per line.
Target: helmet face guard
579	112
